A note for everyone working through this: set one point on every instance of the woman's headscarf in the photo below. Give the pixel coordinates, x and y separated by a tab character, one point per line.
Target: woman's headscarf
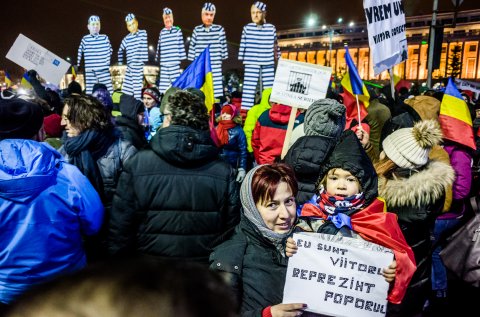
251	212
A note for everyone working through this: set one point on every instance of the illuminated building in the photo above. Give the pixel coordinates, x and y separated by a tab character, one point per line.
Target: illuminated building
150	73
312	45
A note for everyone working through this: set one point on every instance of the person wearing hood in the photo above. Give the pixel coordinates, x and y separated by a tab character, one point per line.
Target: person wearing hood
175	199
269	133
253	114
252	258
414	187
151	99
232	140
346	205
46	205
131	121
312	142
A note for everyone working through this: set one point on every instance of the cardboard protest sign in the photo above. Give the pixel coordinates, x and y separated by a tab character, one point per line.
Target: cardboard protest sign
468	85
31	55
299	84
386	33
338	276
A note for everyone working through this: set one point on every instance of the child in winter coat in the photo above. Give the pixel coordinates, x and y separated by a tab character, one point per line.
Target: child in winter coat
232	140
347	205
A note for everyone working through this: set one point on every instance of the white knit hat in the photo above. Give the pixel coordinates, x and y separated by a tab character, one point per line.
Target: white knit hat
410	147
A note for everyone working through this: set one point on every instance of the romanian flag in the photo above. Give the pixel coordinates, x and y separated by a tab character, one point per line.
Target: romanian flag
398	83
74	74
353	85
25	82
198	75
8	79
455	118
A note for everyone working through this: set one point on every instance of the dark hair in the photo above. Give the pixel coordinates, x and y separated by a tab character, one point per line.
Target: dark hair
135	287
188	110
86	112
266	179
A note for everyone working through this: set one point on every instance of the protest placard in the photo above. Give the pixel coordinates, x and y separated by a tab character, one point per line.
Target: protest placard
31	55
338	276
386	33
299	84
468	85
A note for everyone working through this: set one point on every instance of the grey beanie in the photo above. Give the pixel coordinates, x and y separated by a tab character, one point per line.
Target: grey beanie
325	117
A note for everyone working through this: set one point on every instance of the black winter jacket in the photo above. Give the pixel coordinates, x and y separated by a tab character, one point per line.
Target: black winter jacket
254	267
174	200
306	156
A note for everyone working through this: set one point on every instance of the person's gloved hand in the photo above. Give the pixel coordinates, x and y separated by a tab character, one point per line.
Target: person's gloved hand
240	175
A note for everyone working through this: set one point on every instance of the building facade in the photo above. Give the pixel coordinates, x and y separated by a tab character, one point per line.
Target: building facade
325	46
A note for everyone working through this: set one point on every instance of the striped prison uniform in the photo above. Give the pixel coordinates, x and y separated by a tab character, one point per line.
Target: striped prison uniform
258	50
136	48
215	36
170	52
97	52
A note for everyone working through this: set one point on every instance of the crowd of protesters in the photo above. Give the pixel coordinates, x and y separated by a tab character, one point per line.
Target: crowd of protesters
109	193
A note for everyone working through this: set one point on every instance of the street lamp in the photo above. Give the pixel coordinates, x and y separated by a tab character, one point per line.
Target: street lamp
312	20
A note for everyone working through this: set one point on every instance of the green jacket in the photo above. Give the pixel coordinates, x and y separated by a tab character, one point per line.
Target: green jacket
253	115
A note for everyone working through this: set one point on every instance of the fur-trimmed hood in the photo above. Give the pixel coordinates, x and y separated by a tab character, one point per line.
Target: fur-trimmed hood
422	188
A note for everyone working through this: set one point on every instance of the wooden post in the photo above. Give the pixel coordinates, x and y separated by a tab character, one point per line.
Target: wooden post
392	83
288	136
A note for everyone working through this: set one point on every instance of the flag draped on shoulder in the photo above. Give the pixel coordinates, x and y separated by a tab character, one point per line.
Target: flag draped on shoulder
455	118
8	79
198	75
353	85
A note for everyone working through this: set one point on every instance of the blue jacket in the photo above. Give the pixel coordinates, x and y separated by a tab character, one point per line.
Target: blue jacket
235	152
46	205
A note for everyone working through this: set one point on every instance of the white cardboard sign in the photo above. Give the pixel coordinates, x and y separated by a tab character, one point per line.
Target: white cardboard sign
338	276
386	33
299	84
31	55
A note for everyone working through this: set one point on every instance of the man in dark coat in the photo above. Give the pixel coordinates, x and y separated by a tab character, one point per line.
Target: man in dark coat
174	200
130	122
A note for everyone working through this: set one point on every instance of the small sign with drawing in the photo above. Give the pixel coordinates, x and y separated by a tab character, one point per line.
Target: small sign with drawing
299	84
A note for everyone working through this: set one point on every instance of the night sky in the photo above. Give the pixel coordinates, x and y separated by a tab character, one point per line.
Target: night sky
59	25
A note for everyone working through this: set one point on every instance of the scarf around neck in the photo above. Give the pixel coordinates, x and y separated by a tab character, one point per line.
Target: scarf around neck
335	210
222	130
85	149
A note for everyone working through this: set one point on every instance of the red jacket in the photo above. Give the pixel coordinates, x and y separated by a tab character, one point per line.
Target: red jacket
269	133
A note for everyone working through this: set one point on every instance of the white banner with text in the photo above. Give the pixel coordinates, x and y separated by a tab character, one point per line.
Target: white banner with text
386	33
338	276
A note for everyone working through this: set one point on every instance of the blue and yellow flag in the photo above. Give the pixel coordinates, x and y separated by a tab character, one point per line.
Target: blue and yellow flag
198	75
353	86
8	79
455	118
353	83
74	74
26	81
